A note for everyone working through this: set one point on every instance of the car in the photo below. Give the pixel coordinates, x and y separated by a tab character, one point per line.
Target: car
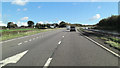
72	28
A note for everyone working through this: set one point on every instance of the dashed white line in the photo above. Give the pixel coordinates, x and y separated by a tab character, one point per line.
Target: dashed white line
59	42
13	59
19	43
33	38
63	36
30	40
104	47
47	63
25	41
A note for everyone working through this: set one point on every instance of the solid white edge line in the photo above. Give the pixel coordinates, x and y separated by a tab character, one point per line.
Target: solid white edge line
47	63
104	47
59	42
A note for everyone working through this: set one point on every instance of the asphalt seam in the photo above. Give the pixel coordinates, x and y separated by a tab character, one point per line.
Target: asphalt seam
50	59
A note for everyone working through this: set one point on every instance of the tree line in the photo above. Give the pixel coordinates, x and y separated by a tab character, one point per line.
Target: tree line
31	24
110	23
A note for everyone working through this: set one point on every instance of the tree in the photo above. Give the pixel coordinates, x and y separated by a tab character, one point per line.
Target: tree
110	23
56	25
15	25
11	25
48	25
62	24
30	24
118	23
38	25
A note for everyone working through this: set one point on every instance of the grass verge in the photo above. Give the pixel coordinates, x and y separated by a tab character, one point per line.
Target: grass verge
112	41
12	35
113	44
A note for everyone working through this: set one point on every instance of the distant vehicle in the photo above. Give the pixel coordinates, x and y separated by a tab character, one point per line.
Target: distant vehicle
68	27
52	27
72	28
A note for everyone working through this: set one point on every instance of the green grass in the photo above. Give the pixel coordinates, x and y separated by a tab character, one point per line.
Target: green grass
114	44
113	41
81	29
8	36
16	29
104	38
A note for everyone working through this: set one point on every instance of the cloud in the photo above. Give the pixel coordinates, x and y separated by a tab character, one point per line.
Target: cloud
46	22
99	7
41	22
20	2
25	9
94	0
2	24
39	6
25	18
22	23
97	16
18	9
59	22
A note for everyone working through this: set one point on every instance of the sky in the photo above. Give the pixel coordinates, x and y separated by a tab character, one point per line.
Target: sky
88	13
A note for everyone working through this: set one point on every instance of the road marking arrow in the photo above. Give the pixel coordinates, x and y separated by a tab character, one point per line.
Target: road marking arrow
13	59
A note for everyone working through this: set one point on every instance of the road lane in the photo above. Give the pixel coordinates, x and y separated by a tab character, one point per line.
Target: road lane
10	50
25	38
39	50
75	50
72	49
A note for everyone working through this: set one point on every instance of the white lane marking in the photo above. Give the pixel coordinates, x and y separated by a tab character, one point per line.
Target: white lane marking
33	38
19	43
25	41
104	47
30	40
13	59
63	36
47	63
59	42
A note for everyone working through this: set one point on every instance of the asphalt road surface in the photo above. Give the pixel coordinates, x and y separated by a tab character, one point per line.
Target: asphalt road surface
55	48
